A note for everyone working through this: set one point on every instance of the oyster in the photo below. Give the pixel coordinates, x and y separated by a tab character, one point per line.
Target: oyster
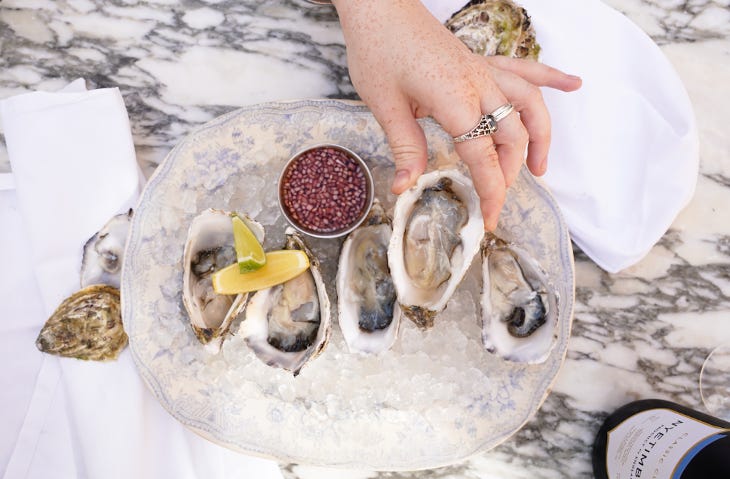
519	305
104	252
209	247
289	324
87	325
437	229
495	27
368	313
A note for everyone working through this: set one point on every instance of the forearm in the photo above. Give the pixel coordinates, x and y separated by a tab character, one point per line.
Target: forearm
363	15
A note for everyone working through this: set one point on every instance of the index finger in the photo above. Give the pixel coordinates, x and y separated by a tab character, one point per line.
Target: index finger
486	173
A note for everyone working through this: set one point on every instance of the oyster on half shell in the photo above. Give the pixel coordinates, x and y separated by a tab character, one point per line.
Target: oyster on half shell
519	305
104	252
368	313
437	230
289	324
495	27
210	247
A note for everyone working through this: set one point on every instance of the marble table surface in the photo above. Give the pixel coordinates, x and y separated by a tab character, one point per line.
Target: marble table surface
643	332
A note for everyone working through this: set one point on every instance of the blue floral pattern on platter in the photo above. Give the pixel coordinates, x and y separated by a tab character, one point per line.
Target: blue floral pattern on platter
344	409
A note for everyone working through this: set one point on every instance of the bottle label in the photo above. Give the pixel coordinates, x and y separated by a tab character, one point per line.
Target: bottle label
655	444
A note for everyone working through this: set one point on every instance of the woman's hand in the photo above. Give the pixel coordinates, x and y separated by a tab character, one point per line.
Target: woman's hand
405	65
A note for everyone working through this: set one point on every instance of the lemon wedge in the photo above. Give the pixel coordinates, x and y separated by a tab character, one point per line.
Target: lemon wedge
281	266
249	252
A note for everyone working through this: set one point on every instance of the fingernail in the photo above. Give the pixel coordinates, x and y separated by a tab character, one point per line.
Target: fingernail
543	166
490	224
401	180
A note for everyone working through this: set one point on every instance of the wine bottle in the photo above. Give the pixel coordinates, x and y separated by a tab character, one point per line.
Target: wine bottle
656	439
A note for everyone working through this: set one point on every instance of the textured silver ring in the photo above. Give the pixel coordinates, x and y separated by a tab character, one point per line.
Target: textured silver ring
487	125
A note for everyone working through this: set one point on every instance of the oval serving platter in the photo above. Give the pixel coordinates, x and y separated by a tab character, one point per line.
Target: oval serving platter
436	398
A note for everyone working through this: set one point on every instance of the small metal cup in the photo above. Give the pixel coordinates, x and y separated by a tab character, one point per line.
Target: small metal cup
369	187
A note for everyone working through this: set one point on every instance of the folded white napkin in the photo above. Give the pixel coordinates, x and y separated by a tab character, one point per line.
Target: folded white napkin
74	167
624	156
7	181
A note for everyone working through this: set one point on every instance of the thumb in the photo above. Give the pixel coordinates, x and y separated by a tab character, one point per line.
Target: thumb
408	144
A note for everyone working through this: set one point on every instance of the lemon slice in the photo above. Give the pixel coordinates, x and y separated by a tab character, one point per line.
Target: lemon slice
280	266
249	252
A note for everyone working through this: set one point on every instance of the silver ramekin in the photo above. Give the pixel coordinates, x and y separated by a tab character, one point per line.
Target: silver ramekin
370	193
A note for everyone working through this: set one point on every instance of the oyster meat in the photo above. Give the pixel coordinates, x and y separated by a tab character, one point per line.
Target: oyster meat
495	27
210	247
289	324
437	230
87	325
368	313
104	252
519	305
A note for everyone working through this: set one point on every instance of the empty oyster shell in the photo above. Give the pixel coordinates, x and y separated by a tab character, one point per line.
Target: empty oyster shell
437	229
368	313
289	324
104	252
87	325
519	305
495	27
210	247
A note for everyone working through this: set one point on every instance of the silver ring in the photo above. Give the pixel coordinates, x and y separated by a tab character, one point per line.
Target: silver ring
487	124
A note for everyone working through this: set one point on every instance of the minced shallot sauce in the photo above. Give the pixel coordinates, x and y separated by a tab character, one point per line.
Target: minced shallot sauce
324	190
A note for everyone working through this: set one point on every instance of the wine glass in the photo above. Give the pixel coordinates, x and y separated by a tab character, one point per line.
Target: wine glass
715	382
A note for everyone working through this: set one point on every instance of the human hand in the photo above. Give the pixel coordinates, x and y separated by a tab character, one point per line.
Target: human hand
406	65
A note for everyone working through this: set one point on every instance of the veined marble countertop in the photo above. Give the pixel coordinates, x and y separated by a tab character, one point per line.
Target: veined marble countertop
641	333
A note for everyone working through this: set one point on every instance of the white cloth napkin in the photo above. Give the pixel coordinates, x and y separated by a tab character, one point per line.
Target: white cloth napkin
74	167
624	156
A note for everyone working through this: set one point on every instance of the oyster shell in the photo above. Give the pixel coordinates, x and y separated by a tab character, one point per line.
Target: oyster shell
519	305
87	325
437	229
104	252
210	247
368	313
289	324
495	27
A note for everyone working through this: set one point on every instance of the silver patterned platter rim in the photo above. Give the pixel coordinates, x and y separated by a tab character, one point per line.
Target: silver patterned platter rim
451	405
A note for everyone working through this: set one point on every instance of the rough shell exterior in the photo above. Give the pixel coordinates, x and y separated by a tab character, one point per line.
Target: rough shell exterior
495	27
87	325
